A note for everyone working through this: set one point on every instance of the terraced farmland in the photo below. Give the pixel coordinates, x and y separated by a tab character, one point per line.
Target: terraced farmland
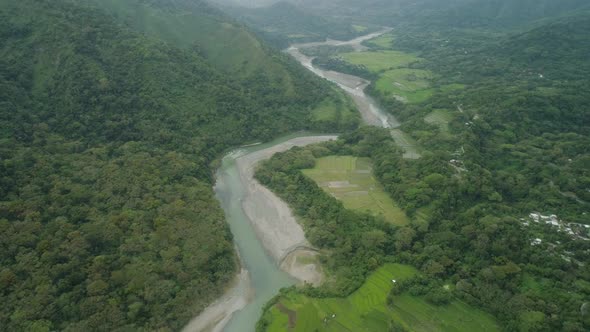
367	310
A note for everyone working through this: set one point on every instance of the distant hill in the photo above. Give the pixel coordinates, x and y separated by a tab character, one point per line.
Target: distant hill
457	13
227	45
284	22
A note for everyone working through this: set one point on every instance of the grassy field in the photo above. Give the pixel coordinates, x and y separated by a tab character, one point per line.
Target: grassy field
410	85
366	310
440	118
328	110
359	28
407	143
381	60
350	180
451	87
382	42
335	111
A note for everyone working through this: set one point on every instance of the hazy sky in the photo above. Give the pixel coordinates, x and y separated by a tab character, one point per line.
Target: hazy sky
246	3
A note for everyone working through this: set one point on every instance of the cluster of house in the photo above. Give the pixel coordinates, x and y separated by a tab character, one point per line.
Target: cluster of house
575	230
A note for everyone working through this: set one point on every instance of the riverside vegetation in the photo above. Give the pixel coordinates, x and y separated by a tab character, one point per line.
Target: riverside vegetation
111	115
504	132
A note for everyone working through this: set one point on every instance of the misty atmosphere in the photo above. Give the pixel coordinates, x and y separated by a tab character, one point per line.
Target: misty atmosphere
295	165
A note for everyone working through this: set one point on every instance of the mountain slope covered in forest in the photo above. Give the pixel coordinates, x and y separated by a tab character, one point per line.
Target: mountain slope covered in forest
497	14
107	135
285	22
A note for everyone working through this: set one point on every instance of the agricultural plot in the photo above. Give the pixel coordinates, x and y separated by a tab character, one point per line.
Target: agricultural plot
420	315
440	118
451	87
382	42
381	60
359	28
350	180
408	85
407	143
335	110
367	310
330	111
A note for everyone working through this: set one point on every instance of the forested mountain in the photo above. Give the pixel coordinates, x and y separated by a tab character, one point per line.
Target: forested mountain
458	13
109	125
285	22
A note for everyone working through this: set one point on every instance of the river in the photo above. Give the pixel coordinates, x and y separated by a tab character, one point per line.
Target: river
268	238
355	86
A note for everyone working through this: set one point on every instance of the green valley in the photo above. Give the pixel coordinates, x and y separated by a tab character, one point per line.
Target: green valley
369	309
402	165
496	201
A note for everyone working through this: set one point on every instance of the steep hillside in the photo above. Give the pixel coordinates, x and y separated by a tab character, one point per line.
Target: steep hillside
229	46
107	135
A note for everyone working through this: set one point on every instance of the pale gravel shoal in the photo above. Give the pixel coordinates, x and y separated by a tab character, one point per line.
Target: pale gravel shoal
276	228
217	315
271	218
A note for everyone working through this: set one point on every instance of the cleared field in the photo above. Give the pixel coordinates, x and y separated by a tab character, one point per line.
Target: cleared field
332	110
381	60
350	180
382	42
359	28
440	118
420	315
366	310
329	111
451	87
407	143
410	85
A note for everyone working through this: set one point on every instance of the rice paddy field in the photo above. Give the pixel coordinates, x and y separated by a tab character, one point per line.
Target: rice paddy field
395	77
366	310
350	179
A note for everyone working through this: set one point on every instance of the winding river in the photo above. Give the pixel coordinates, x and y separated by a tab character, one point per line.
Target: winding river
268	238
355	86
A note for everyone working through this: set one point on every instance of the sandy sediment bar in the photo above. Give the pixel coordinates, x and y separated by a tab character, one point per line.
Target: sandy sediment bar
272	219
